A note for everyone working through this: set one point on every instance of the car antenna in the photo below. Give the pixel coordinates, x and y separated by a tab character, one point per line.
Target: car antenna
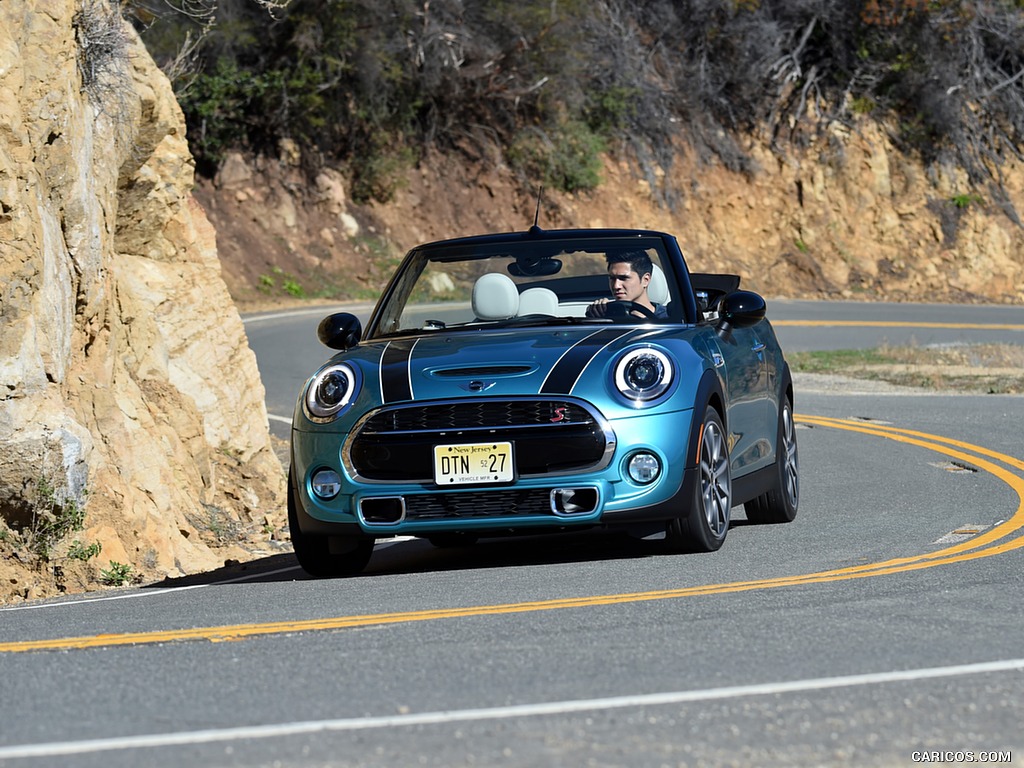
535	229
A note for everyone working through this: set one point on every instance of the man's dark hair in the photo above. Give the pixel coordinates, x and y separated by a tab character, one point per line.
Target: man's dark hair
637	259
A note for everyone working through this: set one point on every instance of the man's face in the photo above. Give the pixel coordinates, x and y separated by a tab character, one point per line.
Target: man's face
625	284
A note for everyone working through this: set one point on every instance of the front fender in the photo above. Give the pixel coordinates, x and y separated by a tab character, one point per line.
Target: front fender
709	392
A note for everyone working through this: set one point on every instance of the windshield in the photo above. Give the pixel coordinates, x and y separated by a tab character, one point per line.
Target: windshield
523	283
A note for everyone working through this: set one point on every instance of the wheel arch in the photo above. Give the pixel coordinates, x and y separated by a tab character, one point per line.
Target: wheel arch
786	386
709	393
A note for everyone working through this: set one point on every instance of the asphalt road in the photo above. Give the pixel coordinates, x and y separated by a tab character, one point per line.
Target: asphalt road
882	627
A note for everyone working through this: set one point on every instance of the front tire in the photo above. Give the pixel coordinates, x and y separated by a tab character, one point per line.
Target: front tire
704	526
326	556
779	503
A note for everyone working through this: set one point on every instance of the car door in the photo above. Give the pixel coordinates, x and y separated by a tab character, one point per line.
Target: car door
741	365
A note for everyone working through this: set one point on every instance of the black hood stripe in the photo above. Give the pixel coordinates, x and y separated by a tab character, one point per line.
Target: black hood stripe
395	375
567	371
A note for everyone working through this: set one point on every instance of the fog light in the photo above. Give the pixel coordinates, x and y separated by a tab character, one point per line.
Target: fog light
326	483
644	468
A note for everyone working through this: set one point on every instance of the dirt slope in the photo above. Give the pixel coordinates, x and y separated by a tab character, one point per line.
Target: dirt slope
861	223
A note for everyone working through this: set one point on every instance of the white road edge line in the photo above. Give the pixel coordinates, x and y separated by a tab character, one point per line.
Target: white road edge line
383	544
282	419
148	592
495	713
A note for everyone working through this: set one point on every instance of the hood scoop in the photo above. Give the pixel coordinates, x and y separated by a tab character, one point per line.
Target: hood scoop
477	371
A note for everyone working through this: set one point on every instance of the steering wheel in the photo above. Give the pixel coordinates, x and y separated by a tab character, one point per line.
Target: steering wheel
625	308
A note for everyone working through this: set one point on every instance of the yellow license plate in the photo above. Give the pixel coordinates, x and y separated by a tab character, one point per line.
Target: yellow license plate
473	463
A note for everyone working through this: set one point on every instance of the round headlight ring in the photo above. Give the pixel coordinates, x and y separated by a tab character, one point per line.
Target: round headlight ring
330	391
644	374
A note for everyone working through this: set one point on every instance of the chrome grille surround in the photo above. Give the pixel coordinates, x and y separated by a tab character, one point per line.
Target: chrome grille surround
481	420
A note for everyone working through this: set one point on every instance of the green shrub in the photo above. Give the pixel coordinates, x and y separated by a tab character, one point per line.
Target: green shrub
55	515
965	200
80	551
568	159
614	110
117	575
371	86
226	109
380	173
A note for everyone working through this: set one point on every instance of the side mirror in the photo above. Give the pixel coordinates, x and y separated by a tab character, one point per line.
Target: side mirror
341	330
741	309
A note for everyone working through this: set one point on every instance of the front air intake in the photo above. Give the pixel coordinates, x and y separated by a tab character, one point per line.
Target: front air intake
574	501
384	510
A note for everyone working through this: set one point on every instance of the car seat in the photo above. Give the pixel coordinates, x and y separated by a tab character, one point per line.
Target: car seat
495	297
538	301
657	288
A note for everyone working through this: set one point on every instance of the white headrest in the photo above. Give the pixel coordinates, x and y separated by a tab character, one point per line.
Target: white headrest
495	297
657	289
538	301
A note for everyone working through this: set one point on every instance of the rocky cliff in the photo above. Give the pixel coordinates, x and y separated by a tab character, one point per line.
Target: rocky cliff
133	431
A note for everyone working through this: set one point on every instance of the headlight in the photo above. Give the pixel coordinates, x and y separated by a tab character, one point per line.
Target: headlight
330	391
643	374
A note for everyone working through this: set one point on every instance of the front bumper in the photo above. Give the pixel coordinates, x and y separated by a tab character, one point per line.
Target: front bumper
601	495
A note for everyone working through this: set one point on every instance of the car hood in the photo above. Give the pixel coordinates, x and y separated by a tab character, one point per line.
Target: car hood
522	361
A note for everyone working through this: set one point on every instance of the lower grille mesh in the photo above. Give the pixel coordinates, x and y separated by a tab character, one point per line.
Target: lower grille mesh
482	504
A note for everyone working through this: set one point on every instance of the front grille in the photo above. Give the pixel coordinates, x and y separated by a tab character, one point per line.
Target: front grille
548	436
476	414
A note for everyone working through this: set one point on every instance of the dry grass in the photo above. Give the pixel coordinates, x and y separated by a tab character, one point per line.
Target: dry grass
985	368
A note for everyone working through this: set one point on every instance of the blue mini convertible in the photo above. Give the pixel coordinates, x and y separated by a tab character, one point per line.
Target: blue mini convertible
542	381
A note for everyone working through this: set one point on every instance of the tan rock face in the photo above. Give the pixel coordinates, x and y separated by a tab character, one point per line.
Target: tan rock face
126	382
850	217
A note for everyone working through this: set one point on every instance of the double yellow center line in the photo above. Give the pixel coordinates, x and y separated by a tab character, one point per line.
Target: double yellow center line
1003	537
897	324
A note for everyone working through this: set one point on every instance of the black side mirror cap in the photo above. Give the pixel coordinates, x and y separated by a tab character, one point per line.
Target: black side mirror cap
341	331
741	309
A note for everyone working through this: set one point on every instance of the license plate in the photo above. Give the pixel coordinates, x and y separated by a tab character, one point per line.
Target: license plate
473	463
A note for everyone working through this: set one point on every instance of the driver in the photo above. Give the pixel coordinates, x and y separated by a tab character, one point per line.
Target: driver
629	273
